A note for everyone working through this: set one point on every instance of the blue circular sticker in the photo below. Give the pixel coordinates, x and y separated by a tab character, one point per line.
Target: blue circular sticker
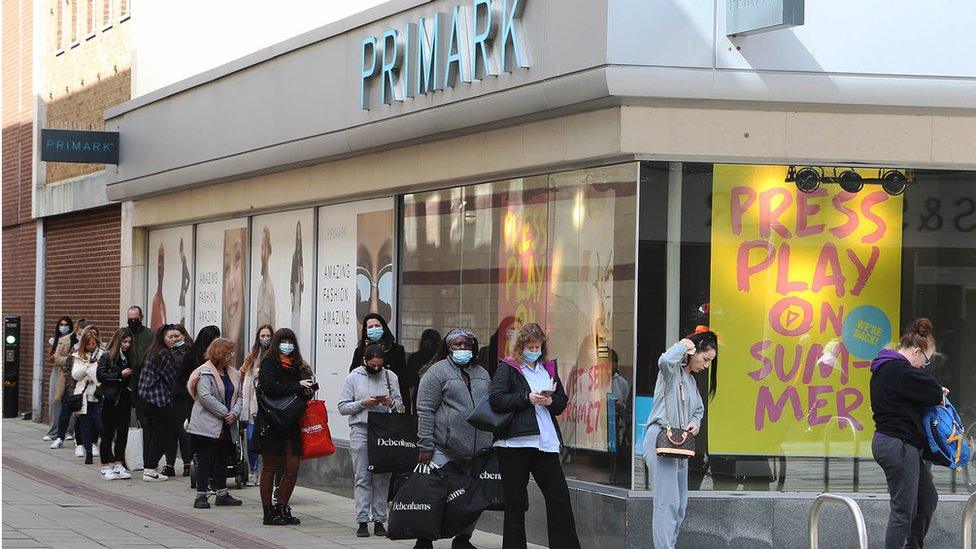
866	331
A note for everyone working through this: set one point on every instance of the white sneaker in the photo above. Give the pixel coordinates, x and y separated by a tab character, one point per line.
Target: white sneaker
69	437
47	438
253	479
150	475
58	443
95	451
121	472
79	451
108	473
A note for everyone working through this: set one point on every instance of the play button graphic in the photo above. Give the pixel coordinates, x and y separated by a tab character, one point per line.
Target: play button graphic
791	317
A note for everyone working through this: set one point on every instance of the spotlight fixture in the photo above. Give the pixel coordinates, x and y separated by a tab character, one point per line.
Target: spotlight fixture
807	180
850	181
893	182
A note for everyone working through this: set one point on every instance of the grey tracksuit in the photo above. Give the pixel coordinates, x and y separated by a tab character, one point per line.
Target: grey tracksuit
670	475
371	490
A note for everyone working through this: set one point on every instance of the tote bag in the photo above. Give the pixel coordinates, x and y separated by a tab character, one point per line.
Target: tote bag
391	442
314	426
133	449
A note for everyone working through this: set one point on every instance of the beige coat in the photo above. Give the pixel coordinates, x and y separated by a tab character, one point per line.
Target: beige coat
60	359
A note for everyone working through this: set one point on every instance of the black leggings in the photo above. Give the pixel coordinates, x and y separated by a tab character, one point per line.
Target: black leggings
115	428
211	460
159	434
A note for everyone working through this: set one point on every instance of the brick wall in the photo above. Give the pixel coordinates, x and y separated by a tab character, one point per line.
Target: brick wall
82	270
19	230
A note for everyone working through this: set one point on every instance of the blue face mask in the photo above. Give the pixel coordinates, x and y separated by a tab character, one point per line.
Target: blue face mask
531	356
375	333
64	330
461	356
286	348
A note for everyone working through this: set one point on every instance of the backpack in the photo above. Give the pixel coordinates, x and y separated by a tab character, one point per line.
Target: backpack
946	436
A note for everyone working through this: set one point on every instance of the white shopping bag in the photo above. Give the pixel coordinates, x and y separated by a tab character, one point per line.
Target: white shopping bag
133	449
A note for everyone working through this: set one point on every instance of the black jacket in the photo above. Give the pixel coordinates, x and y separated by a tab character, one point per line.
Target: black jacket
510	392
396	361
113	387
899	396
275	381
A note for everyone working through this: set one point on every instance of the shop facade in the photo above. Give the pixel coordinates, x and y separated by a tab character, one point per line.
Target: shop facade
526	167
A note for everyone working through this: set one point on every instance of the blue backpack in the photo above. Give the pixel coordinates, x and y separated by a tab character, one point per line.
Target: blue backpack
947	437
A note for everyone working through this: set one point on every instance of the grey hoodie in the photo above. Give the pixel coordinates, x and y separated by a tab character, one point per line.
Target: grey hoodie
359	385
667	391
444	403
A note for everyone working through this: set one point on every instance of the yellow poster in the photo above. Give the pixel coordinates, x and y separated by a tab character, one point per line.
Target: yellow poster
805	290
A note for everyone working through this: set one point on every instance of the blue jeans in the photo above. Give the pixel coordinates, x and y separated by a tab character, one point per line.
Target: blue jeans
90	425
253	458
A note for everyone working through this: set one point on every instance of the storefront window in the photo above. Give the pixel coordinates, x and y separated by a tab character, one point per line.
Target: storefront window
557	250
803	289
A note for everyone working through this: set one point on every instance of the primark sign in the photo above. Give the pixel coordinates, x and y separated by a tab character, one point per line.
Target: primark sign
443	50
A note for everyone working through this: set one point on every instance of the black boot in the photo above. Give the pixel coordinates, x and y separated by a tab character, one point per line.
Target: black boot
272	517
379	530
423	544
462	541
201	502
226	499
363	531
285	511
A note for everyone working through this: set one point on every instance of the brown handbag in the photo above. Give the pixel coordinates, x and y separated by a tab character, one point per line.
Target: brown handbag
675	442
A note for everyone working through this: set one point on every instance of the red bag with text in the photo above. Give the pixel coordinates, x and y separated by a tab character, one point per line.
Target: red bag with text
316	437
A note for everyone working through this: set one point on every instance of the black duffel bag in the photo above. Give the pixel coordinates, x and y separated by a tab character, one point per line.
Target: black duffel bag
418	507
391	442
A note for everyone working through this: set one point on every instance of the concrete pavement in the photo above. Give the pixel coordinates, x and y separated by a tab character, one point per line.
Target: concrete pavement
51	499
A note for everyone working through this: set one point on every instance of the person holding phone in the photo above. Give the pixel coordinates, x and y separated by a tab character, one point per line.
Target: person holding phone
527	383
369	388
677	403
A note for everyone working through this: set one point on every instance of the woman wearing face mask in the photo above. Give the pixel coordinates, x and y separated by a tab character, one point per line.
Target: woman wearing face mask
448	394
249	375
900	393
677	403
113	374
189	357
528	385
377	332
66	385
84	368
64	328
368	388
283	373
155	388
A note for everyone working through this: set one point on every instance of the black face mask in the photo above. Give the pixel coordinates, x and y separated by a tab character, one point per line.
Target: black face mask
371	371
135	324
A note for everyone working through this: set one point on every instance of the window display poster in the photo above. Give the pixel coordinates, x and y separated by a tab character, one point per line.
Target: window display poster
282	262
170	269
805	290
356	276
221	279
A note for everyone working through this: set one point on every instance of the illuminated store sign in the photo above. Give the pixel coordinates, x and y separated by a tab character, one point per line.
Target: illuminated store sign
437	52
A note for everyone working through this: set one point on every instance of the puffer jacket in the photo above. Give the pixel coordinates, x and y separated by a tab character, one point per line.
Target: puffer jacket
444	402
510	393
209	405
85	374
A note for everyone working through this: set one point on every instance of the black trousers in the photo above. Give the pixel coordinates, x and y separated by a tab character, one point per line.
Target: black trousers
515	464
64	418
182	405
211	459
115	424
158	433
90	426
913	494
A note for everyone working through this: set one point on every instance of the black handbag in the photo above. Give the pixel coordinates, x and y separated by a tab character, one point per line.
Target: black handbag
484	418
675	442
283	412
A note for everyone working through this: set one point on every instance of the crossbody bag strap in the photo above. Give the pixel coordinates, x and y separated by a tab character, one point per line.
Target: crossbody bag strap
389	391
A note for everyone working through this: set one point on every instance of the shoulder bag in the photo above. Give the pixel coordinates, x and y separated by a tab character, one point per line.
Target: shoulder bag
280	412
676	442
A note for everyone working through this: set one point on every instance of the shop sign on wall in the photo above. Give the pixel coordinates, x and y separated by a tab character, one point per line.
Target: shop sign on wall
437	52
804	293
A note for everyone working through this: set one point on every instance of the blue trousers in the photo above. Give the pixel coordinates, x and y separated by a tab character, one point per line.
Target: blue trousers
670	485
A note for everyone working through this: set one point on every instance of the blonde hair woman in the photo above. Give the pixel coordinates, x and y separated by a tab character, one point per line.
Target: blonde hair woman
249	411
527	384
84	369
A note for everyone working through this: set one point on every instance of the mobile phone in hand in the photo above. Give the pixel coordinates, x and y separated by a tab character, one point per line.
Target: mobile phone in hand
546	393
315	387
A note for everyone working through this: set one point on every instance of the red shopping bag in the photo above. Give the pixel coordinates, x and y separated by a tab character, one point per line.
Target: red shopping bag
316	437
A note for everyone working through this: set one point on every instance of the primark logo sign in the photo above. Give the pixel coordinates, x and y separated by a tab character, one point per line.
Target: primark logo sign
473	42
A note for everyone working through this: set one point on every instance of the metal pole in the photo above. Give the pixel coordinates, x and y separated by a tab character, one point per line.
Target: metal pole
862	532
967	522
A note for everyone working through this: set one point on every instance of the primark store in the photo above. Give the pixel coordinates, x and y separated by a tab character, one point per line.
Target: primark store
622	172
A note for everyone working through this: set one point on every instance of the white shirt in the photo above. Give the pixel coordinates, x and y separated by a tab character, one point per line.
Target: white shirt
547	440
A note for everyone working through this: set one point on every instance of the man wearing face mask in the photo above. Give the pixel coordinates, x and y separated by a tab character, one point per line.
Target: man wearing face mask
142	338
448	394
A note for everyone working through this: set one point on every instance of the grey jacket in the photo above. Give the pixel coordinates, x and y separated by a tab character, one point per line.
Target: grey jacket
359	385
207	417
667	391
444	403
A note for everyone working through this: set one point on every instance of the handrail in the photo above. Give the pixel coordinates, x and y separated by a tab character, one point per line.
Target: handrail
862	532
967	522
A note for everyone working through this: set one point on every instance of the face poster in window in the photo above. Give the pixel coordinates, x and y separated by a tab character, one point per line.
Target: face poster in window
221	282
356	276
170	275
281	263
